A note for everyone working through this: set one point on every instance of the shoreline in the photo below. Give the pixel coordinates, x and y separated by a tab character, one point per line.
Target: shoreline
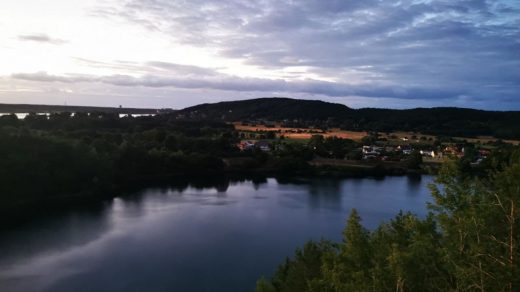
15	213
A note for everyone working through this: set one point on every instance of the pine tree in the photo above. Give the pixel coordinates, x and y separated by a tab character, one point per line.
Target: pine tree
350	270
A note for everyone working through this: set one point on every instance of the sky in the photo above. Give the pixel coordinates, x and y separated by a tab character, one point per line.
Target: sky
173	53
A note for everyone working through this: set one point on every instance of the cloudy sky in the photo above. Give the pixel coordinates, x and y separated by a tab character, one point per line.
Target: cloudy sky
173	53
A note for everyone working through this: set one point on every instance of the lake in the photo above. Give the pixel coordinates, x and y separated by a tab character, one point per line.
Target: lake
22	116
192	238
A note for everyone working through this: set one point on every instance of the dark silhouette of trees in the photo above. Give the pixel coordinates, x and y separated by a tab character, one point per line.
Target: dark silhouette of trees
63	156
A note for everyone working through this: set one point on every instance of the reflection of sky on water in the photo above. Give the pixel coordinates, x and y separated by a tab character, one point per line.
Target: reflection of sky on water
196	239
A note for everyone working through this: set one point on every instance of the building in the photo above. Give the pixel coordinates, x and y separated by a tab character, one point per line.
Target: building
263	145
428	153
246	145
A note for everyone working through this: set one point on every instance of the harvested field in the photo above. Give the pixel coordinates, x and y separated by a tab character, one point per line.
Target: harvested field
306	133
302	133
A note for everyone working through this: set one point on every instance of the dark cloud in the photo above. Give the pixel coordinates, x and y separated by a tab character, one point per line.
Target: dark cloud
151	67
233	83
41	38
407	49
186	70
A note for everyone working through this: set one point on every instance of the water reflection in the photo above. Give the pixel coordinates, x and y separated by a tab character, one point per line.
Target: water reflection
414	183
217	235
258	181
325	193
29	239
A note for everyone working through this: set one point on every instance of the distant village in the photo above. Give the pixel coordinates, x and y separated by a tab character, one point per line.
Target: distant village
269	137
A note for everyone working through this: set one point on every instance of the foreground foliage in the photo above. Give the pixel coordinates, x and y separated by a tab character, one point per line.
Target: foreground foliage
468	242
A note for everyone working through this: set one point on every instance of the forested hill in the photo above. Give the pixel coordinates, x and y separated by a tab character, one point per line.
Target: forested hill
438	121
269	109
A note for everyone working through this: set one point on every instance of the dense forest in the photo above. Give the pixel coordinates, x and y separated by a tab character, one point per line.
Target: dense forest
436	121
468	242
91	156
65	156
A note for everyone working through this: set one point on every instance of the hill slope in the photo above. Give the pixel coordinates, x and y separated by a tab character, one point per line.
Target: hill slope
439	121
269	109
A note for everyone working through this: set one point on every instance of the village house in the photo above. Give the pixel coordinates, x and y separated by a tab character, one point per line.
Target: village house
371	150
245	145
263	145
428	153
405	149
454	150
389	149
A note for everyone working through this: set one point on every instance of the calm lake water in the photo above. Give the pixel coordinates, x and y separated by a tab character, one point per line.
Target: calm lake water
23	115
193	239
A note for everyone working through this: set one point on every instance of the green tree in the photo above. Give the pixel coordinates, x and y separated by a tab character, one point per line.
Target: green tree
479	221
303	273
316	145
263	285
350	270
469	242
414	160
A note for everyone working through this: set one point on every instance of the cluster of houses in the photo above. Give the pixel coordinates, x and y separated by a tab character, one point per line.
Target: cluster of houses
373	152
384	152
250	145
388	152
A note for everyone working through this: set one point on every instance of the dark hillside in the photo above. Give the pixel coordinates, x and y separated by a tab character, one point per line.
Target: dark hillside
437	121
443	121
269	109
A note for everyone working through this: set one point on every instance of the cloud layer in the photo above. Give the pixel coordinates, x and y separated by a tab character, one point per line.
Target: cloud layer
207	79
469	48
444	52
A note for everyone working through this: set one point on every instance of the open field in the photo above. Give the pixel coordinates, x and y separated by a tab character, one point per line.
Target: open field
485	139
306	133
302	133
481	139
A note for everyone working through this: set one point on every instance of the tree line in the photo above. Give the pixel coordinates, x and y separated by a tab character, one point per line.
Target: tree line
83	155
